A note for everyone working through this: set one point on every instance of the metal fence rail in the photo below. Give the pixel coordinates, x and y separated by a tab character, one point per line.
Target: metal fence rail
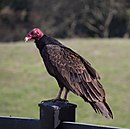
29	123
18	123
75	125
53	115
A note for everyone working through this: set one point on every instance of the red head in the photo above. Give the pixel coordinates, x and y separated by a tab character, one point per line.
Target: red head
36	33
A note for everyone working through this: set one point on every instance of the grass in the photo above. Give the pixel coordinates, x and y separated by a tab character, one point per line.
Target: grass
24	82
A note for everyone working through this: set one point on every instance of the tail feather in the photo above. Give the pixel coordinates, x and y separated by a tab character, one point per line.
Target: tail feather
103	108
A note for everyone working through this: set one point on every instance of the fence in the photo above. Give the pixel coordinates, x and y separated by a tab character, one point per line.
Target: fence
53	115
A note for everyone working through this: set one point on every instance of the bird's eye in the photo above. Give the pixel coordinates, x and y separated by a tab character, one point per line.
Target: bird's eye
32	33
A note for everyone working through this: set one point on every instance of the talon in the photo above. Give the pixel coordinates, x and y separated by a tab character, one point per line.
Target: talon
56	99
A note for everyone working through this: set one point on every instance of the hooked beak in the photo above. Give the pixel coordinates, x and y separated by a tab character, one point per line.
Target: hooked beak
26	39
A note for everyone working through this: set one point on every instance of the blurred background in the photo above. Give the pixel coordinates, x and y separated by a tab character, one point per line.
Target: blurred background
98	30
65	18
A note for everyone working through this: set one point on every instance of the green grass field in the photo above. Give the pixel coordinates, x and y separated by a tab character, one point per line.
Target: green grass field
24	81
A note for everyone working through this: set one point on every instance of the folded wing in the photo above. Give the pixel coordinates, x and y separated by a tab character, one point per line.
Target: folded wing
78	76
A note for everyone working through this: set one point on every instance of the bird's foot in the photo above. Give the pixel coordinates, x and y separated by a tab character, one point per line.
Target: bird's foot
59	99
55	100
52	100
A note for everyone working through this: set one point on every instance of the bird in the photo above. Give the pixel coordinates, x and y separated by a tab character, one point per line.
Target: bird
72	72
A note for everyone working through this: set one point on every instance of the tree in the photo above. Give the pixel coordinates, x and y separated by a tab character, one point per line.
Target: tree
13	19
64	18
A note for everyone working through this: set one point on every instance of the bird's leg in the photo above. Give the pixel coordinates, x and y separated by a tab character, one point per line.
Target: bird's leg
66	93
59	94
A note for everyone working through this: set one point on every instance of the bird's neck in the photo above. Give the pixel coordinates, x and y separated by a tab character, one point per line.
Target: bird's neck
44	40
40	43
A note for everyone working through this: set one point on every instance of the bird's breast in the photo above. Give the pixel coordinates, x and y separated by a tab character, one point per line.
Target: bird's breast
47	62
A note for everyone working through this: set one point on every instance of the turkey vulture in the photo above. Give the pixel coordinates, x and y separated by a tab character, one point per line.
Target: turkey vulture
72	72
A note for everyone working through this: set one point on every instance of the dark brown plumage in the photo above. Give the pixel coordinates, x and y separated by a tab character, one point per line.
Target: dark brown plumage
71	71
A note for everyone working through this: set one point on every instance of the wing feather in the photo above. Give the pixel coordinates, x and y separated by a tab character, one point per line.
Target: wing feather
77	74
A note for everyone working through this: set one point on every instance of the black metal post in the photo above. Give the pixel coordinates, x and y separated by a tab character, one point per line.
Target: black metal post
52	113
